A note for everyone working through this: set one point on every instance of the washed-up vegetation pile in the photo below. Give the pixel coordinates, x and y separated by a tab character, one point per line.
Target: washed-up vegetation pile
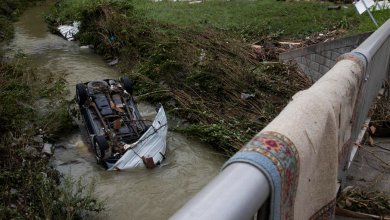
361	200
216	84
29	186
380	113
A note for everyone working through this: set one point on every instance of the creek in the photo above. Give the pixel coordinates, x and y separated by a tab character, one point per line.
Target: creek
130	194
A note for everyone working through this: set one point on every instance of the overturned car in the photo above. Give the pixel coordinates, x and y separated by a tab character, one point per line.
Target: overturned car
118	133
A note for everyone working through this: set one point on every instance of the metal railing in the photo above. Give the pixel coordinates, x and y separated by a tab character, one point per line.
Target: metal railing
376	50
240	190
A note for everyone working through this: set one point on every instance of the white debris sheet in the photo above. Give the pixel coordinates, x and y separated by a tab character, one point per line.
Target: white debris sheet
372	5
68	31
152	143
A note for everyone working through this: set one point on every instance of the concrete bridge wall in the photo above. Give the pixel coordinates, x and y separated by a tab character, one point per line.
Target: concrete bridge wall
318	59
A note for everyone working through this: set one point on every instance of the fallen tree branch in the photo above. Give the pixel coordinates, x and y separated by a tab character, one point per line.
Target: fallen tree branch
372	154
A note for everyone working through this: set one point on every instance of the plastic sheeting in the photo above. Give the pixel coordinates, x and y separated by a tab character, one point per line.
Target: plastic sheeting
371	3
151	144
69	30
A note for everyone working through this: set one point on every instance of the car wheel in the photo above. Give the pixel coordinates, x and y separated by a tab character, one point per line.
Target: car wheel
81	93
101	145
127	84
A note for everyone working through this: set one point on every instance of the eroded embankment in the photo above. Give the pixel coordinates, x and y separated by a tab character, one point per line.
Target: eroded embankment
214	82
30	187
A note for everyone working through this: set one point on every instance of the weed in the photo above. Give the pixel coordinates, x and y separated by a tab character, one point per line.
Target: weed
29	186
360	199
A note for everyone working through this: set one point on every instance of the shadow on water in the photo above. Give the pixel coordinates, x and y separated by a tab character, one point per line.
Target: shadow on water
132	194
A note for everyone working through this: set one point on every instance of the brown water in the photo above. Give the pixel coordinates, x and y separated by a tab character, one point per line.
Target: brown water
132	194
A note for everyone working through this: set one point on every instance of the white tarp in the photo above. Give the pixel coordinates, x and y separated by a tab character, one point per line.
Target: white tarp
69	30
383	4
151	144
371	3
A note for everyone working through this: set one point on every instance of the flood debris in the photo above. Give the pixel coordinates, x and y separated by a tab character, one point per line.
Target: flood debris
114	62
360	203
68	31
380	113
334	7
372	199
47	149
245	96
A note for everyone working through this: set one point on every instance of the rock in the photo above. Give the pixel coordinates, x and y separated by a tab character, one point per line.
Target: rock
31	150
20	200
38	139
245	96
59	146
28	149
114	62
13	191
47	149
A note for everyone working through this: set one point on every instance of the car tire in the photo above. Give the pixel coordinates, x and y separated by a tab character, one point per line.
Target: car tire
127	84
100	146
81	94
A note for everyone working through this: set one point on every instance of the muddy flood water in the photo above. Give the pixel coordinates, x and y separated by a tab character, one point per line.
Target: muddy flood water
131	194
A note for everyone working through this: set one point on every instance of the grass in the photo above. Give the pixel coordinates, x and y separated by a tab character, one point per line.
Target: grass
291	19
366	24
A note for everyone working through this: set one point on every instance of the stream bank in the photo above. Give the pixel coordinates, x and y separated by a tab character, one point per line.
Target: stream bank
134	194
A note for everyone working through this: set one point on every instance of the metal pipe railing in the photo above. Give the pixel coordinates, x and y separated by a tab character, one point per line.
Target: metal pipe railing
373	43
237	192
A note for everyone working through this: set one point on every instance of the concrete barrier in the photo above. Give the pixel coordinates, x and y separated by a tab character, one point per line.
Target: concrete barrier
316	60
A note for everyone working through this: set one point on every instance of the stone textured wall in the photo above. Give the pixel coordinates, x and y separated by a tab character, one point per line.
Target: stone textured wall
316	60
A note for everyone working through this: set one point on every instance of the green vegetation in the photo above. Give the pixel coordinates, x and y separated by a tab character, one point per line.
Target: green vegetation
366	24
291	19
29	186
